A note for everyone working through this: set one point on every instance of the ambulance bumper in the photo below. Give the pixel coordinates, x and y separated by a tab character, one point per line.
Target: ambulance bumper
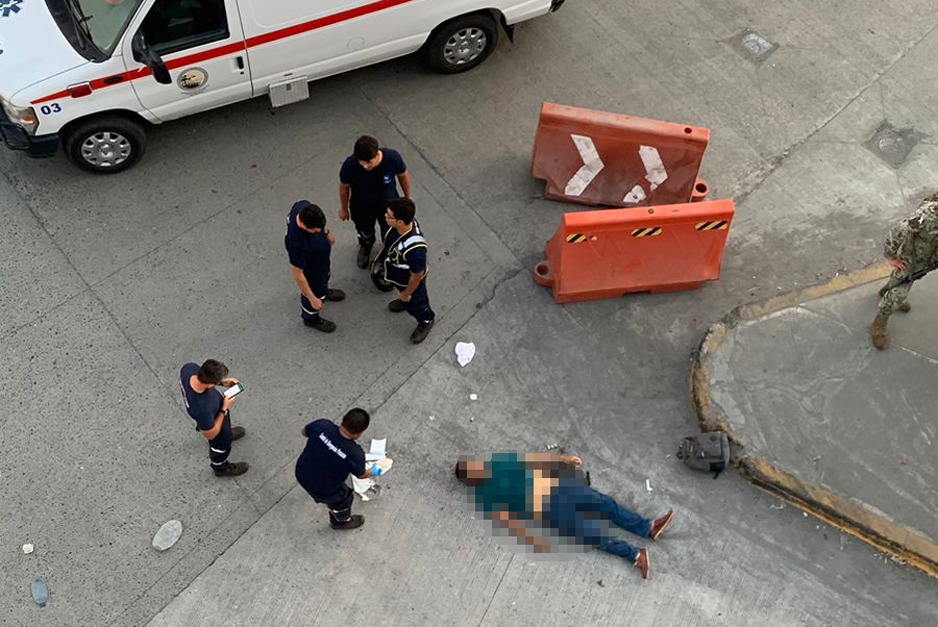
16	138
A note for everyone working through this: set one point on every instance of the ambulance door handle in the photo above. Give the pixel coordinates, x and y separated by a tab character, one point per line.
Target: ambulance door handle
239	64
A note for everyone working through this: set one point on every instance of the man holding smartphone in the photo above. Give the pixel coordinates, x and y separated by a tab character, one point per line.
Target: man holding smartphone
209	408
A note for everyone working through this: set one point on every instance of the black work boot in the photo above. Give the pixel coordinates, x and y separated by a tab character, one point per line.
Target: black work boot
237	433
397	306
380	283
321	324
421	332
232	470
354	522
364	256
335	296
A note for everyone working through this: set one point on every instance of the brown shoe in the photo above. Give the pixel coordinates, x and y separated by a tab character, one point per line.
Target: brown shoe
397	306
421	332
354	522
659	525
643	563
905	307
233	470
878	332
237	433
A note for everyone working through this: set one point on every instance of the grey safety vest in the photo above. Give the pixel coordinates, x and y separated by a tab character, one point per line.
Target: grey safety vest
396	268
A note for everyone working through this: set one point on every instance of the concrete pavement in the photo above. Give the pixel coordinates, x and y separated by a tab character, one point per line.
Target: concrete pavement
829	422
108	283
421	558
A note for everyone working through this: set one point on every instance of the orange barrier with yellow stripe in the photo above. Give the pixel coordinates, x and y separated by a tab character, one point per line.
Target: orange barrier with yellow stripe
611	252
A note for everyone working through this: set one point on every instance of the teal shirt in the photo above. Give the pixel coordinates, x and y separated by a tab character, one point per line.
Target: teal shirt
509	488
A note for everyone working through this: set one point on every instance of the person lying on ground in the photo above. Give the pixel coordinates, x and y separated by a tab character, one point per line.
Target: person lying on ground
543	501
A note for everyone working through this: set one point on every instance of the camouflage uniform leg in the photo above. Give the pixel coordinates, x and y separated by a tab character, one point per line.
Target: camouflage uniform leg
896	293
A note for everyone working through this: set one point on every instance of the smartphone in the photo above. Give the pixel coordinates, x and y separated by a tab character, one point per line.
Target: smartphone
234	390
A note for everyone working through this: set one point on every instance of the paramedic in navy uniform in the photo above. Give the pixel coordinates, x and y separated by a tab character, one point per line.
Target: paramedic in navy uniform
323	468
404	265
367	185
309	246
209	409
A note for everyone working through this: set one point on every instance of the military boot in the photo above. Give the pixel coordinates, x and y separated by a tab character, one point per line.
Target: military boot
905	307
878	332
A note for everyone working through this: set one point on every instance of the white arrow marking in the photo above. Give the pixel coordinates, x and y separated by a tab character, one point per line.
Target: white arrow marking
592	165
636	195
654	168
655	174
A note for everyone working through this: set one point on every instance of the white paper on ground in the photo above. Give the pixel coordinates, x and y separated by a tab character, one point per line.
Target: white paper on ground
465	351
361	485
377	450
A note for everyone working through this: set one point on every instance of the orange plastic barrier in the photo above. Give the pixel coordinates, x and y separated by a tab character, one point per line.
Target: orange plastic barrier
598	158
611	252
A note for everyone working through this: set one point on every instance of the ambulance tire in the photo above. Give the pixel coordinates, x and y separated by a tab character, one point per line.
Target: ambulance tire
105	144
443	53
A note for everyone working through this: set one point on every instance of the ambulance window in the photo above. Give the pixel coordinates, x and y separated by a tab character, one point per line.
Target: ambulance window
174	25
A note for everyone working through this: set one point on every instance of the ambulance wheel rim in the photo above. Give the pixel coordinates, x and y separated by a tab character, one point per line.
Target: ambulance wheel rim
106	149
465	46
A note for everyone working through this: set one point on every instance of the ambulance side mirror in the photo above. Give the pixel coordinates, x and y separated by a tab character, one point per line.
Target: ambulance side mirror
145	55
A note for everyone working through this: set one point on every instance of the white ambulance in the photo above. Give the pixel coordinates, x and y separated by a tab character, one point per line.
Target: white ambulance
93	74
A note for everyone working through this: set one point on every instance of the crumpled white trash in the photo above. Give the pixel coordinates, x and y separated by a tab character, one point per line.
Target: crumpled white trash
465	351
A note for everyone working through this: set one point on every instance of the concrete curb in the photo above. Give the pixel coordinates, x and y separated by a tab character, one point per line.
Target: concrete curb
848	515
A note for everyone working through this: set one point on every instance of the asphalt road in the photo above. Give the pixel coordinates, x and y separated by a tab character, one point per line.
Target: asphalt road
108	284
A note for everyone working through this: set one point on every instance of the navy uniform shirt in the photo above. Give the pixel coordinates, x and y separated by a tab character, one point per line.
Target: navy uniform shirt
325	463
308	251
414	256
204	407
373	189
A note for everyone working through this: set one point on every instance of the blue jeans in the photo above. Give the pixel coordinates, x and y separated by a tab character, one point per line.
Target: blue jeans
580	512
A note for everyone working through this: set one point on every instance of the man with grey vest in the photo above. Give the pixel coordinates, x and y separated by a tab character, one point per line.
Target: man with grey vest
403	264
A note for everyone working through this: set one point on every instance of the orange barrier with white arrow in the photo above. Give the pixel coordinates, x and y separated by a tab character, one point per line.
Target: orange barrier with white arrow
598	158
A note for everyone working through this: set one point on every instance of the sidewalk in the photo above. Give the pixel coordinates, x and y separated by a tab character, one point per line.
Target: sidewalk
829	423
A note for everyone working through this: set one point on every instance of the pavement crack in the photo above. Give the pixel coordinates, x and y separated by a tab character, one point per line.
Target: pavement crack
497	588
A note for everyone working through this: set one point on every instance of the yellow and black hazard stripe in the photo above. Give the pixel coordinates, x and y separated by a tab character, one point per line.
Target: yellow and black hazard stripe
713	225
579	238
650	231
